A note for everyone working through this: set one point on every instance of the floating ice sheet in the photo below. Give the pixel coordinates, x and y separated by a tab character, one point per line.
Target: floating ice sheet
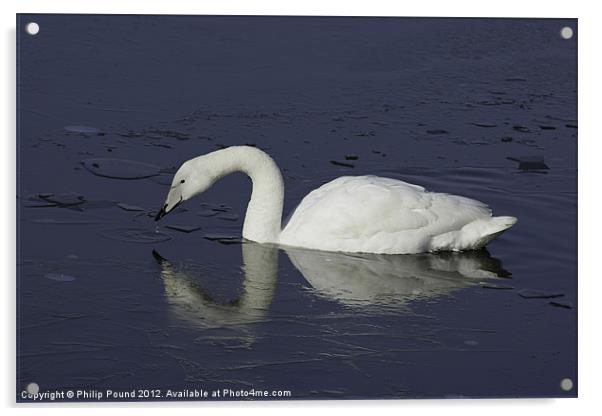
84	130
128	207
537	294
64	199
183	228
120	168
529	162
223	238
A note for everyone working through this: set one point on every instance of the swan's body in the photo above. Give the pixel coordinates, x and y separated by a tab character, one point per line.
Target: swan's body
355	214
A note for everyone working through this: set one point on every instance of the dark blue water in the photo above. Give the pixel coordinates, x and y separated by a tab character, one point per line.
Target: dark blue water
106	301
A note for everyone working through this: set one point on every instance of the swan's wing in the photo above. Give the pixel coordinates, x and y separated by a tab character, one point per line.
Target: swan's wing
374	214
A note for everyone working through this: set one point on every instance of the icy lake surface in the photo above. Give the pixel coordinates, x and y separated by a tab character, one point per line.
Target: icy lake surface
109	107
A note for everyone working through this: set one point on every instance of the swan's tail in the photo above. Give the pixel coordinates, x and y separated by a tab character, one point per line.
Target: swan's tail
473	235
493	228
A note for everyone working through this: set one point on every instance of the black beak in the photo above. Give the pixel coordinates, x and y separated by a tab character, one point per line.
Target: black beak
162	212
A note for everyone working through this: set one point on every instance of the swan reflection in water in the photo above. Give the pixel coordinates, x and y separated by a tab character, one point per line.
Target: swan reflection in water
193	303
369	282
381	280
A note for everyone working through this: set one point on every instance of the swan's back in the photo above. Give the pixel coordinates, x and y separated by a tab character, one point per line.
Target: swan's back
371	214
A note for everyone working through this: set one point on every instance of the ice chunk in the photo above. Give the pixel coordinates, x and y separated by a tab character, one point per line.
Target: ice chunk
561	304
536	294
84	130
128	207
529	162
337	163
64	199
484	124
223	239
183	228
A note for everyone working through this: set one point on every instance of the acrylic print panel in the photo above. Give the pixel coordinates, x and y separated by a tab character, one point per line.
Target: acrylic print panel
113	305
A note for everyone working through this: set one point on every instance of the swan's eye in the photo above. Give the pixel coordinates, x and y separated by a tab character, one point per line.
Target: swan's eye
183	180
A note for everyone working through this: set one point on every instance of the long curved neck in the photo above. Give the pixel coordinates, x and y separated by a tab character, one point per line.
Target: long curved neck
264	212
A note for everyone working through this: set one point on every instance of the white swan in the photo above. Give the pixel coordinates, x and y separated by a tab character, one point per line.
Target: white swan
355	214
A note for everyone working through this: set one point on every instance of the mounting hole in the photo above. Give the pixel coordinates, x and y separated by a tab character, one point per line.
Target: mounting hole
32	28
566	384
566	32
33	388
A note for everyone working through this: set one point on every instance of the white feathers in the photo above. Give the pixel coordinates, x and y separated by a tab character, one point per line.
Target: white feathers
370	214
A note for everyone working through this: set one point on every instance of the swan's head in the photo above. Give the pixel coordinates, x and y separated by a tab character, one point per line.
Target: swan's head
189	180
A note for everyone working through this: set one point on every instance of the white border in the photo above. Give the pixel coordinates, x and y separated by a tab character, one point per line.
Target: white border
590	138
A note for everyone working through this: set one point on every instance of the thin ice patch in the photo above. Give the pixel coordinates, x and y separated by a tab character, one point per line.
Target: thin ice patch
64	199
183	228
135	235
84	130
128	207
538	294
529	163
120	168
59	277
223	238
